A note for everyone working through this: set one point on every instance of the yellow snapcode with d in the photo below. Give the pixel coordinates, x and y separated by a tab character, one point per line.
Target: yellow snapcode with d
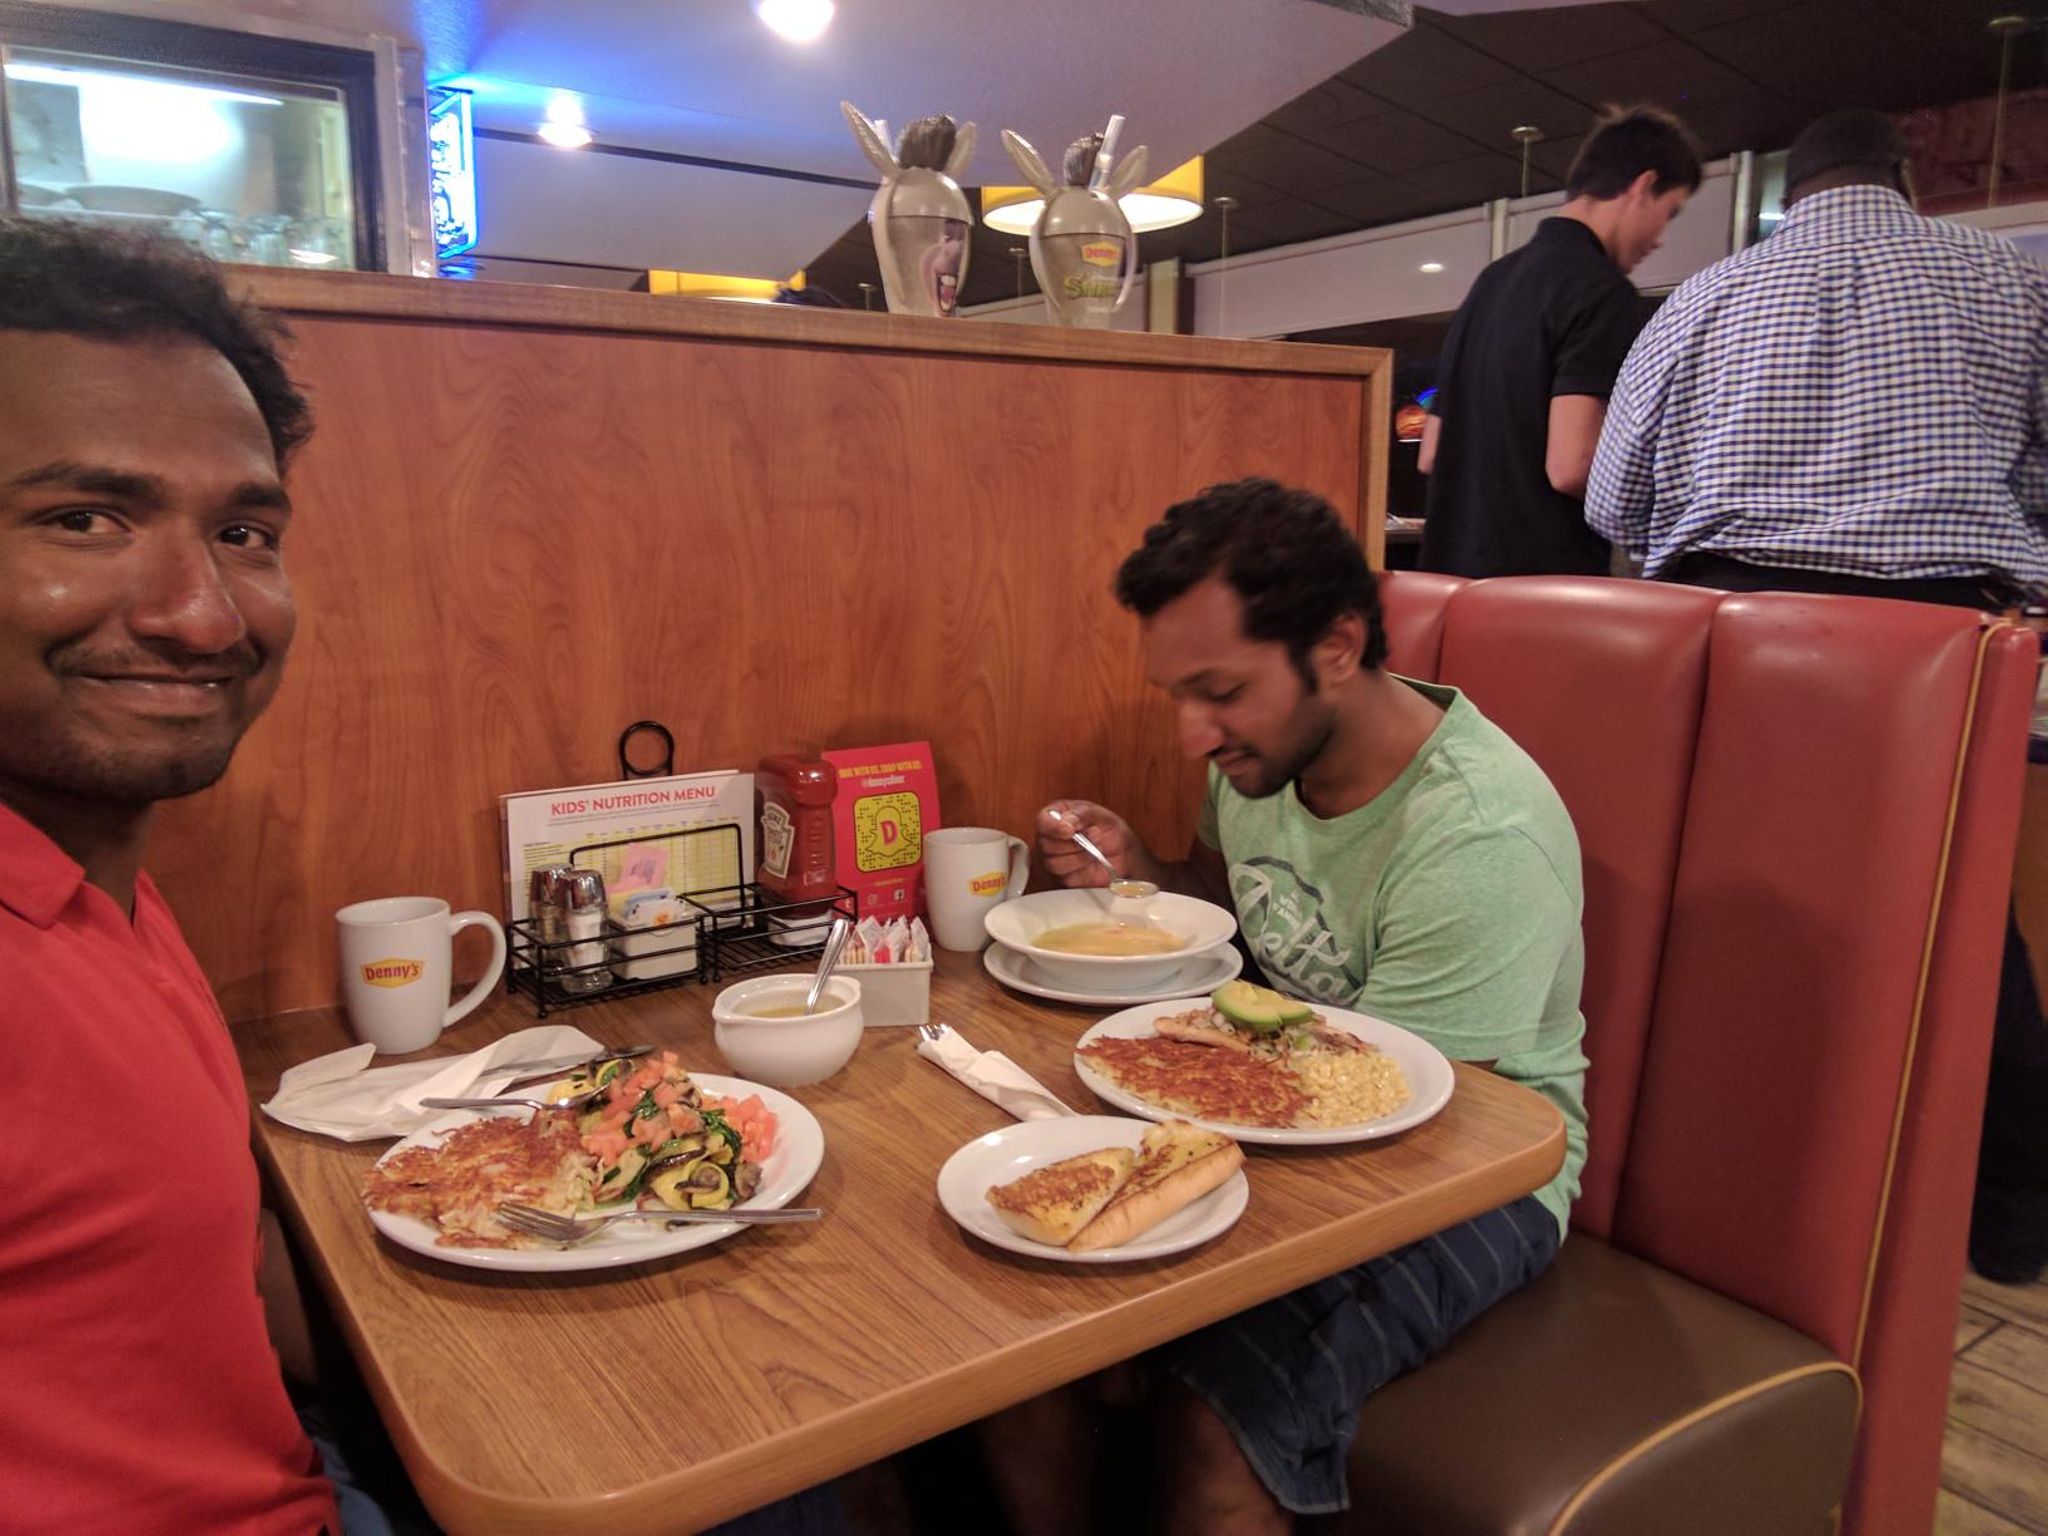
888	832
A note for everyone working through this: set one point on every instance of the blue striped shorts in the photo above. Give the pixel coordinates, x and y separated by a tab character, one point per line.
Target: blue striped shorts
1288	1377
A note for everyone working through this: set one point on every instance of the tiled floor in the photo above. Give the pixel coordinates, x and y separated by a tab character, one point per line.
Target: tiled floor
1994	1463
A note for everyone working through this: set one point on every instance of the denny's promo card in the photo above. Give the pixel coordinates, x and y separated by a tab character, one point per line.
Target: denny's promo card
888	800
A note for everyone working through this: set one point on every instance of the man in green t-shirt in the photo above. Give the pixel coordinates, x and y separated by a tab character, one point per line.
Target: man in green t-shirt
1387	849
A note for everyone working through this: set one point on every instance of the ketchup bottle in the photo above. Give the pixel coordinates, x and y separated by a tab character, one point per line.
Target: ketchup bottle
796	794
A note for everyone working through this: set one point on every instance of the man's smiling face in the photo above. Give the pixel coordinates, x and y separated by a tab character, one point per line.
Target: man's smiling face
144	611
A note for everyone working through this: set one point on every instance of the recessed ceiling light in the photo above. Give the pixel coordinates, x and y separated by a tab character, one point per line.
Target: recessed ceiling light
801	21
564	135
1431	266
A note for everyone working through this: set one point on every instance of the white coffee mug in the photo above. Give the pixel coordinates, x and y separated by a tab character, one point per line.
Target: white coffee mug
396	960
969	871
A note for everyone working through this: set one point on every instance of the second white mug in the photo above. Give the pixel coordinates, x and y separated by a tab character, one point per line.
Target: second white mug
968	872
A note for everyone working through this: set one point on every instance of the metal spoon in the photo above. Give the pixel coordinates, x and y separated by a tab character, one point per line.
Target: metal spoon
1120	884
835	941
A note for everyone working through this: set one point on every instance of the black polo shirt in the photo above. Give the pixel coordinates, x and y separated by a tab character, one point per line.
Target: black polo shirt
1556	317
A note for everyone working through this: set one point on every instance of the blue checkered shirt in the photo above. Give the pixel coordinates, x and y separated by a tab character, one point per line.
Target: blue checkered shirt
1866	393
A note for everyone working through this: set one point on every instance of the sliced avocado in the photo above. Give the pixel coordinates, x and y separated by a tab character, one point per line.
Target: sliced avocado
1257	1008
1246	1005
1292	1009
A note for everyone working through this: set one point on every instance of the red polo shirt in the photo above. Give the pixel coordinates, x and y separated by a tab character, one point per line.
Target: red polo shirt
138	1388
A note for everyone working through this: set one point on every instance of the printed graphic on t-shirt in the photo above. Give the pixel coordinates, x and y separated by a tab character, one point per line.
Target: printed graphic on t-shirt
1281	916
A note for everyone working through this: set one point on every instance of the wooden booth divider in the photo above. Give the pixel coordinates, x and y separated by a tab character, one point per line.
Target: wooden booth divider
530	517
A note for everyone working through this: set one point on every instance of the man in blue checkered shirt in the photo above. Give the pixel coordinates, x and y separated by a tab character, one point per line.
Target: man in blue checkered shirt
1858	404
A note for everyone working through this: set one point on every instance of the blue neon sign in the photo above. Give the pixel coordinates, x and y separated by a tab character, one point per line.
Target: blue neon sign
452	145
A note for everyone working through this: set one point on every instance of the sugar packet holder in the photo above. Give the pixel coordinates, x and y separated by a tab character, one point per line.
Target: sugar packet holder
893	943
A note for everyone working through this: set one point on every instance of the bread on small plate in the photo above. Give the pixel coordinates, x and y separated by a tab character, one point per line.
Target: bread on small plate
1051	1204
1177	1164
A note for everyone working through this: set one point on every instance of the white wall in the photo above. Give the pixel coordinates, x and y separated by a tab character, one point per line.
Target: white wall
1377	274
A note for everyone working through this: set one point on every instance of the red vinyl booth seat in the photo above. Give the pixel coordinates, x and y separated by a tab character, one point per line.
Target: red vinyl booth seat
1797	816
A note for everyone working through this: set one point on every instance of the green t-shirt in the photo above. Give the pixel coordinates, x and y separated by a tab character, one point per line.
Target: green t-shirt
1448	904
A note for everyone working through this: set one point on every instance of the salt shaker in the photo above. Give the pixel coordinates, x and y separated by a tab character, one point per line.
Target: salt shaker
582	892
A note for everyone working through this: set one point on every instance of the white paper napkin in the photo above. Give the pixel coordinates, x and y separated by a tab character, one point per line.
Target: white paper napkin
334	1095
994	1076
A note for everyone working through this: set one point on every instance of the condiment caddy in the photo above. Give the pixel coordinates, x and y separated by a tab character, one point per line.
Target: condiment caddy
650	940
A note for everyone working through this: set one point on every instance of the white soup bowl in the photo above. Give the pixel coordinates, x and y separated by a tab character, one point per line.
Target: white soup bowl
787	1053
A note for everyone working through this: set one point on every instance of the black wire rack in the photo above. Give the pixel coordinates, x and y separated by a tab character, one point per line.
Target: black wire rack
729	931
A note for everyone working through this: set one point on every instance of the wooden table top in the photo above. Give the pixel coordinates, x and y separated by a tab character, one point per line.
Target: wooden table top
673	1395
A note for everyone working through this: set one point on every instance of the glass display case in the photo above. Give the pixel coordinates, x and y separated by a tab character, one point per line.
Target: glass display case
252	149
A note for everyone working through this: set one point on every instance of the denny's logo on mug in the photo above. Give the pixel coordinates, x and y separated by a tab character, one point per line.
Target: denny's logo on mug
990	884
393	973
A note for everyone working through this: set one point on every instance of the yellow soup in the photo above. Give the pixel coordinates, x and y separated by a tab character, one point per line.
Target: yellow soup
793	1011
1110	939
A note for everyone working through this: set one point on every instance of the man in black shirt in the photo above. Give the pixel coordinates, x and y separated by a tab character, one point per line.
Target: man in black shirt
1534	351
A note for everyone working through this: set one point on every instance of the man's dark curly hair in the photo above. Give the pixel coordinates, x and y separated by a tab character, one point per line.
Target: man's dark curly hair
1284	552
62	276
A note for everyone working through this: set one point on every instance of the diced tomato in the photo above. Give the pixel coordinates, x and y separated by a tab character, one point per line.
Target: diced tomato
653	1130
666	1094
606	1146
754	1121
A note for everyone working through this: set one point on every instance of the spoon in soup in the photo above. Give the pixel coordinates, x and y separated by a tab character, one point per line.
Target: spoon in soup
835	941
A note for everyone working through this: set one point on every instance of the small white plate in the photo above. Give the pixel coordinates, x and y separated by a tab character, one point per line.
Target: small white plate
1429	1075
799	1150
1195	978
1015	1150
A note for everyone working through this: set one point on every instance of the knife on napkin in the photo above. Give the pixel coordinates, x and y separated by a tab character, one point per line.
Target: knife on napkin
989	1073
343	1096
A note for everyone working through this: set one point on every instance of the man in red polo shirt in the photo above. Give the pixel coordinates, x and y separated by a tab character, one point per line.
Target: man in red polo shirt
144	617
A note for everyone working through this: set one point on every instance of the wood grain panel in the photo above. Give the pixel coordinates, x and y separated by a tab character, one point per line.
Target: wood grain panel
1971	1325
671	1396
1955	1515
514	538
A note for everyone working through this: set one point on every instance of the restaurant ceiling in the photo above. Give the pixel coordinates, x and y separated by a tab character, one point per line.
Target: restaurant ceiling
1318	121
1422	125
705	79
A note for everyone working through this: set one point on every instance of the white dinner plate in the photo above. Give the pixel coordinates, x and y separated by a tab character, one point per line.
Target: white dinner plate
1428	1072
799	1150
1015	1150
1196	978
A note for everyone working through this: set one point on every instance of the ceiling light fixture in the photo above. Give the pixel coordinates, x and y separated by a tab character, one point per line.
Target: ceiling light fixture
1525	134
564	126
1174	198
1431	266
801	21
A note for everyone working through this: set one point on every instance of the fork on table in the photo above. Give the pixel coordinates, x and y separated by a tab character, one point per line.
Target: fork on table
554	1227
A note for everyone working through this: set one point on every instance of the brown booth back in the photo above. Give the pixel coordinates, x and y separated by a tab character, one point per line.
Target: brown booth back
1797	816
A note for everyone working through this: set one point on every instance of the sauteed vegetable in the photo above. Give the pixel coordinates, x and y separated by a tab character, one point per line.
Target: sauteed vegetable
658	1140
